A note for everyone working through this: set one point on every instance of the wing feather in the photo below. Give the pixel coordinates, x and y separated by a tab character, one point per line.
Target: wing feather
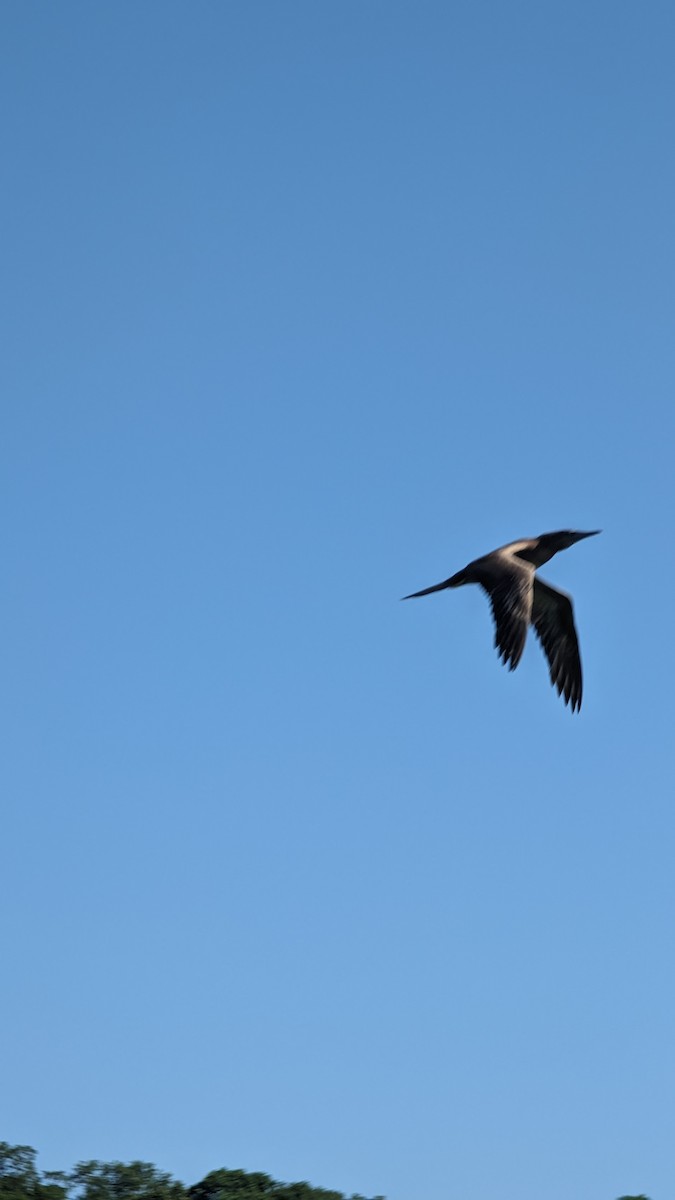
508	583
553	620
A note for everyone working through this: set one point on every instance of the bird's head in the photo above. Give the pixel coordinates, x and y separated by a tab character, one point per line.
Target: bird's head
548	544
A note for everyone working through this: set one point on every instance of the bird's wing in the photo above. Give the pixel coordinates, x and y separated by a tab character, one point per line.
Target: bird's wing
553	620
508	583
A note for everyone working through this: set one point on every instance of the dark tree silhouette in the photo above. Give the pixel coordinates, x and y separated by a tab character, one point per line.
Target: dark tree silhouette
91	1180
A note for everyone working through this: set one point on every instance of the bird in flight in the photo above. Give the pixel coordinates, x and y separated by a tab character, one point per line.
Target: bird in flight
519	598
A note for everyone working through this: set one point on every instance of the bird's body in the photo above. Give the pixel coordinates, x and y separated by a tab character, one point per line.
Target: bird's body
519	599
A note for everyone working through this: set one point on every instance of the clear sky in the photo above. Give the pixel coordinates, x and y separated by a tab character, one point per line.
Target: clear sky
304	306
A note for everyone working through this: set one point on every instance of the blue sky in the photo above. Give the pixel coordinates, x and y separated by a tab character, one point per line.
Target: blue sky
306	305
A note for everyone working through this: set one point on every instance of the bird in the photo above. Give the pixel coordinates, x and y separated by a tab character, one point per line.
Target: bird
519	598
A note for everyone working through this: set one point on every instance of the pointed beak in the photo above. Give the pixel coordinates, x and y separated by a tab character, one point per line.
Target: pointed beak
592	533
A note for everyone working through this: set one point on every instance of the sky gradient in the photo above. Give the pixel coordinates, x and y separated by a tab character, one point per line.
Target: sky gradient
305	306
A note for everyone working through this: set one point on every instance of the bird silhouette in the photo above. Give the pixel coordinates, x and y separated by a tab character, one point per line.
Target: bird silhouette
519	598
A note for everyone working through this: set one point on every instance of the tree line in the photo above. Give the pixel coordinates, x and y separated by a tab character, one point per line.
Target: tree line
21	1180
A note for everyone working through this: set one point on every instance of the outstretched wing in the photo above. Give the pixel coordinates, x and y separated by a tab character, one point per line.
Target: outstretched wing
553	620
508	583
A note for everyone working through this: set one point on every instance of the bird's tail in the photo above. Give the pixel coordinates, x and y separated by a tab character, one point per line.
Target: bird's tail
454	581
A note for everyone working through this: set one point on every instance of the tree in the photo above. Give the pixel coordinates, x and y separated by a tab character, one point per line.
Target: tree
123	1181
92	1180
20	1180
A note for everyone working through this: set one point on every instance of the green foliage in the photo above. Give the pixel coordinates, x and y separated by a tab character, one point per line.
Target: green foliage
18	1176
124	1181
20	1180
253	1185
226	1185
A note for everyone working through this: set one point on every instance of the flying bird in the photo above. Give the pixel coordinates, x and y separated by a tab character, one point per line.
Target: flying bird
520	598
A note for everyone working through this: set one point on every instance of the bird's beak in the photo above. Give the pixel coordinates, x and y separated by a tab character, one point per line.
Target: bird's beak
578	535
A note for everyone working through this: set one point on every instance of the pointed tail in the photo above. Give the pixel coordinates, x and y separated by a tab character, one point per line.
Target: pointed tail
454	581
